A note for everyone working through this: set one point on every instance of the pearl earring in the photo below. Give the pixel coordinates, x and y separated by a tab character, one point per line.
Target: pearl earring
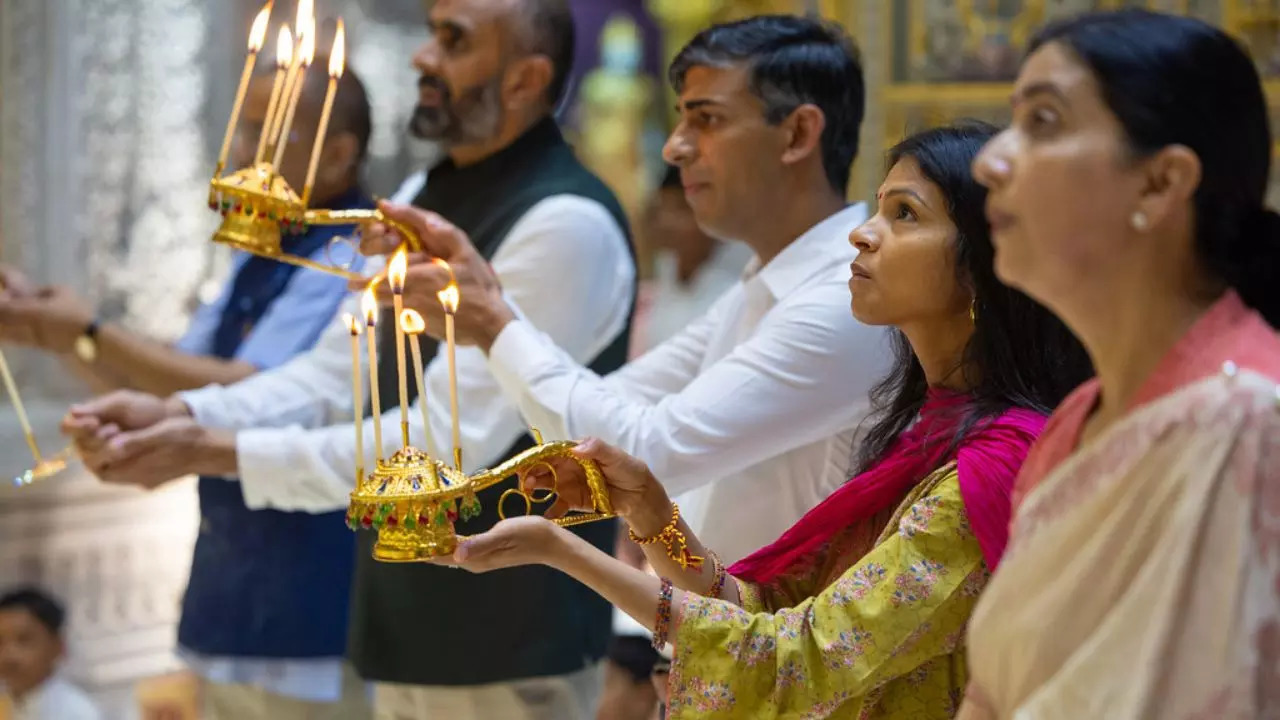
1138	220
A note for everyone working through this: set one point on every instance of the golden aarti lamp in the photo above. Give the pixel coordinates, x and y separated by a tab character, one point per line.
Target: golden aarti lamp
45	466
258	206
411	499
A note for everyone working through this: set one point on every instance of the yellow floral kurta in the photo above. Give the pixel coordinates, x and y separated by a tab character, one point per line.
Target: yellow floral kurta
868	630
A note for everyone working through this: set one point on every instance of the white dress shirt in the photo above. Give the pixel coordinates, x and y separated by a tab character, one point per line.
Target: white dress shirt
749	415
296	441
55	699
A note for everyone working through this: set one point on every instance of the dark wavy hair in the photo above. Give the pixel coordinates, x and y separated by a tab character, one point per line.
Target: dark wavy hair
1174	80
1020	354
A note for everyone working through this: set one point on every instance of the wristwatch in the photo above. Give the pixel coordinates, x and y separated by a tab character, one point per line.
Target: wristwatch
86	346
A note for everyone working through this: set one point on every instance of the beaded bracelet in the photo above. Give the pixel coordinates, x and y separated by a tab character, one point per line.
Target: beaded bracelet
674	540
663	624
718	576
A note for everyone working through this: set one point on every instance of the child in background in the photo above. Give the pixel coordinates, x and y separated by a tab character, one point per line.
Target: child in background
31	647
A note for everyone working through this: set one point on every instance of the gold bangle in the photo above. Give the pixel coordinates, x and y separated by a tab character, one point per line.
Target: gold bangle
718	576
674	540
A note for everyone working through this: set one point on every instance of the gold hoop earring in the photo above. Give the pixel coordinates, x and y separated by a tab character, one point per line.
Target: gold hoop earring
973	314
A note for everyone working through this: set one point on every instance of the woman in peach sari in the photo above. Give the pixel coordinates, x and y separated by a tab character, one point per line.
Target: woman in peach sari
1142	578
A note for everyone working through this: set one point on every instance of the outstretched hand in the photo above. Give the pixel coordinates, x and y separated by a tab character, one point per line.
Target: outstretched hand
481	313
513	542
635	494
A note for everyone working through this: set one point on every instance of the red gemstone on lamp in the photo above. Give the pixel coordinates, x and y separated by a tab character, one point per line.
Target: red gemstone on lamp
392	520
366	522
423	520
452	515
237	207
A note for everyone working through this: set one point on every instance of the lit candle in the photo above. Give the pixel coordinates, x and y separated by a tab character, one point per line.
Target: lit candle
369	304
257	36
284	62
336	65
396	270
357	390
449	301
414	326
12	387
308	53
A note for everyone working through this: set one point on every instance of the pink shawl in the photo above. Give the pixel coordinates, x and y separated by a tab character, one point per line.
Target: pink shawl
987	461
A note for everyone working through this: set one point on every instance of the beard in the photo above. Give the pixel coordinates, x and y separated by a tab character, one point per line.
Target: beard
473	116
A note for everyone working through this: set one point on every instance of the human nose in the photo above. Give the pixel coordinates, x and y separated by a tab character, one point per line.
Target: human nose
678	149
991	167
427	58
865	237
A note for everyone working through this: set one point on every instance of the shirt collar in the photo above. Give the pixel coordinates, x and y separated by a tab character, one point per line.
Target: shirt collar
820	247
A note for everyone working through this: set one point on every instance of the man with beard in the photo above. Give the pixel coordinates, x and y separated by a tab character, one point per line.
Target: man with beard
438	643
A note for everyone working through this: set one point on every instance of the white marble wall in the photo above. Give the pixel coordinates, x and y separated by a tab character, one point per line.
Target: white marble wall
110	113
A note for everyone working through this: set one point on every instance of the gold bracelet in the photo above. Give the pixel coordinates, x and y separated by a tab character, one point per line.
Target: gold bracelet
674	540
718	576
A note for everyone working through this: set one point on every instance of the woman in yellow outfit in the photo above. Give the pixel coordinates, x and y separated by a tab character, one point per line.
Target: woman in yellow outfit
859	610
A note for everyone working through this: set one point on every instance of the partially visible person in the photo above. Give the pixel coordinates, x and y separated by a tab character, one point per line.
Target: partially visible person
492	74
859	609
31	648
265	612
692	269
1143	576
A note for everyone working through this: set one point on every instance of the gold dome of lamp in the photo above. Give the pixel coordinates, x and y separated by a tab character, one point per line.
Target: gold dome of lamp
258	206
413	501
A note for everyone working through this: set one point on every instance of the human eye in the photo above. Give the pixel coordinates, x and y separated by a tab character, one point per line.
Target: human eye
903	211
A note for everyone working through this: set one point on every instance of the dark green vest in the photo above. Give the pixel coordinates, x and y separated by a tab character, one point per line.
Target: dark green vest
428	625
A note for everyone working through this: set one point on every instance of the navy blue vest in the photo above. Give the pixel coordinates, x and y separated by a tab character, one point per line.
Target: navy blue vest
266	583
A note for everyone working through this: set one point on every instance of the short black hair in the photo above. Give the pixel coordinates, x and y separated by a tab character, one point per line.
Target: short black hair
793	60
40	604
547	28
351	112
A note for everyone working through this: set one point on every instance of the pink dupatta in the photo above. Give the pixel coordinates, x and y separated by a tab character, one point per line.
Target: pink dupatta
987	461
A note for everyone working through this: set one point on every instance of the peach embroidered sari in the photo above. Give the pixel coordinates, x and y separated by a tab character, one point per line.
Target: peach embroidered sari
1142	578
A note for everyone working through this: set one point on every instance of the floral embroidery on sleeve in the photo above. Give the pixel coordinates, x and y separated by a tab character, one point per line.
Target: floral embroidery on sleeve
855	586
916	520
917	582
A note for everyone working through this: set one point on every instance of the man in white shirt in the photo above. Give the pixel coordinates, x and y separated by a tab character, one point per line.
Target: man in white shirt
751	411
31	647
437	643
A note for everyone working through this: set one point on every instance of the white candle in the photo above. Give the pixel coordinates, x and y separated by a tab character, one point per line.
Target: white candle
414	326
396	271
257	36
449	301
357	391
337	61
308	52
370	306
284	65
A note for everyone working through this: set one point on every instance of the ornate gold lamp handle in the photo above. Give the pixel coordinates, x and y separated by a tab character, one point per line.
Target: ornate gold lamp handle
357	217
542	455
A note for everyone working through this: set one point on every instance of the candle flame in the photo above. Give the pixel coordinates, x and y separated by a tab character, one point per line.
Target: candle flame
284	48
353	325
412	323
397	269
306	12
369	305
449	298
309	44
258	34
338	56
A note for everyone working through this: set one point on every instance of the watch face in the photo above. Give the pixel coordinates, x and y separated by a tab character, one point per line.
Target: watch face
86	348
